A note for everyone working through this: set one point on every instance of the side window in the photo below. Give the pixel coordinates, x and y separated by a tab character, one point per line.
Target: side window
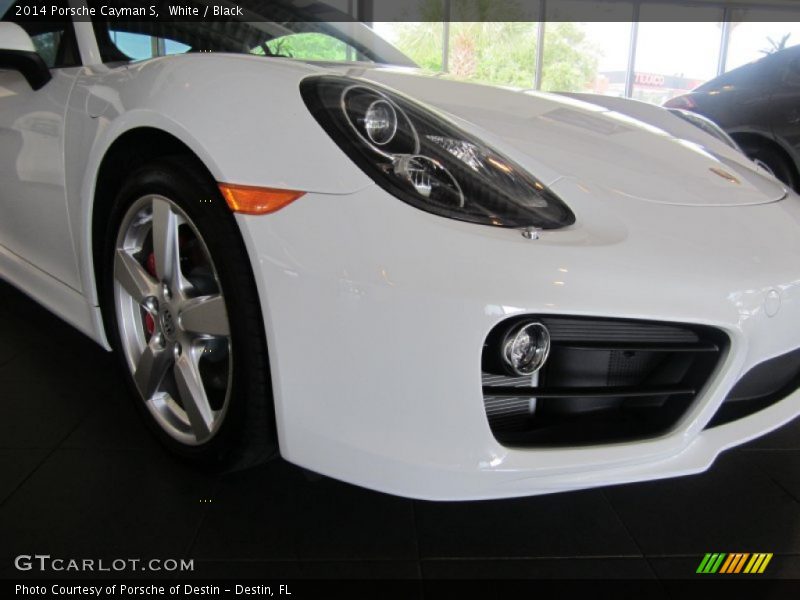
308	46
54	40
139	46
47	45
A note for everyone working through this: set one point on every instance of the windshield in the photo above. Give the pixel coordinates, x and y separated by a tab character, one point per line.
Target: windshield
311	31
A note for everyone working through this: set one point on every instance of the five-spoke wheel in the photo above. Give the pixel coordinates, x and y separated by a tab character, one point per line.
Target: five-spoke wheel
173	319
183	313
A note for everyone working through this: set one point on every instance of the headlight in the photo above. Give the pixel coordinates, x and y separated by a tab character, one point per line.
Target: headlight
425	160
706	125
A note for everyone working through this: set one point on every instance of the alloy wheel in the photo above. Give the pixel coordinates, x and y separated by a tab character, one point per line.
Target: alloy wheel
172	320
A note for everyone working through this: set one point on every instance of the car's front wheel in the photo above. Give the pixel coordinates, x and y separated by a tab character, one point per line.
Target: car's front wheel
183	314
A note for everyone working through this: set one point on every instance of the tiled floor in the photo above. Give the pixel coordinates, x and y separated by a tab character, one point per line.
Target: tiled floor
81	476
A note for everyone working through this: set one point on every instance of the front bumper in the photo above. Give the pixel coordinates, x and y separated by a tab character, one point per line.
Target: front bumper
376	314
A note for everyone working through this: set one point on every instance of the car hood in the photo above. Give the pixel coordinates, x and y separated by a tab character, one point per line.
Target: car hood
556	137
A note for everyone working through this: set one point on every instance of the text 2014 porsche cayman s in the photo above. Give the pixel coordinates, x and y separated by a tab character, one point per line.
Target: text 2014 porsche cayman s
299	243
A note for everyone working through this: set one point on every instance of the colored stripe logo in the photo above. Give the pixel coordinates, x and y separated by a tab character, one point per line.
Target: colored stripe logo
734	563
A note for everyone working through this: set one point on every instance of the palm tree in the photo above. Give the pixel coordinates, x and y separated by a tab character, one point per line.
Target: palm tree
776	46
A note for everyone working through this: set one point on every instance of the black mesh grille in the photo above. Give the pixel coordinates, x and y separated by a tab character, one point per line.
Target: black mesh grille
571	329
605	381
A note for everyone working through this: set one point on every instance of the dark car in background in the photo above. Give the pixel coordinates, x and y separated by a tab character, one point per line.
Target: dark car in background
758	105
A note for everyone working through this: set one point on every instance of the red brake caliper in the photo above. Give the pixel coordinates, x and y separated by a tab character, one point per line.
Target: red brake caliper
149	321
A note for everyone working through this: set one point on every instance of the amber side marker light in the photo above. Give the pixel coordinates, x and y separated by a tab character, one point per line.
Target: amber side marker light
251	200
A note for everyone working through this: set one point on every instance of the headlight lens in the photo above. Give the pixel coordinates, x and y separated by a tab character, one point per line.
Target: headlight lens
380	122
427	161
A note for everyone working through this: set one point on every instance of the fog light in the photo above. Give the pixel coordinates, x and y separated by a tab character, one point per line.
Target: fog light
526	348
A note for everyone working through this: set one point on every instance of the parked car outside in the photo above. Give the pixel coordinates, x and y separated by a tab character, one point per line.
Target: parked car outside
758	105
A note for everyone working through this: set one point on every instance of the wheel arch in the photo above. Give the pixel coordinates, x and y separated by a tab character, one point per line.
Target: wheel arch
155	158
751	139
125	153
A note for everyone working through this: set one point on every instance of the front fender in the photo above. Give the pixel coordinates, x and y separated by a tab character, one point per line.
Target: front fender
247	123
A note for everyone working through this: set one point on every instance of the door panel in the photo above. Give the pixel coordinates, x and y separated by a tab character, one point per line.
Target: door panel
34	223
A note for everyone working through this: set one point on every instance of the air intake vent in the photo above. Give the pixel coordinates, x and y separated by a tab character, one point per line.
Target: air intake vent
604	381
762	386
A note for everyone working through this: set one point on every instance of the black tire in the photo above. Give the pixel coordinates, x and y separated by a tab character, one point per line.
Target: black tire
247	435
780	166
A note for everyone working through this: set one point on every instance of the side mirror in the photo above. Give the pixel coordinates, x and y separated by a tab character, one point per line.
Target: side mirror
18	53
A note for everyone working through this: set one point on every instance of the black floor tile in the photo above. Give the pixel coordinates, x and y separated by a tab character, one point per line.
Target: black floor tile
355	569
732	507
40	413
114	423
538	568
277	570
787	437
20	310
782	466
12	341
15	466
558	525
275	512
335	520
247	518
681	567
118	504
246	569
49	377
36	343
67	357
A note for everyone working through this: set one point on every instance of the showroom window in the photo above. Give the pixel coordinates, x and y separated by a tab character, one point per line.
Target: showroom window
501	53
750	41
619	51
586	56
422	42
673	58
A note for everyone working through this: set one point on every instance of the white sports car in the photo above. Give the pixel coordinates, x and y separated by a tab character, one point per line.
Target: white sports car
295	241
